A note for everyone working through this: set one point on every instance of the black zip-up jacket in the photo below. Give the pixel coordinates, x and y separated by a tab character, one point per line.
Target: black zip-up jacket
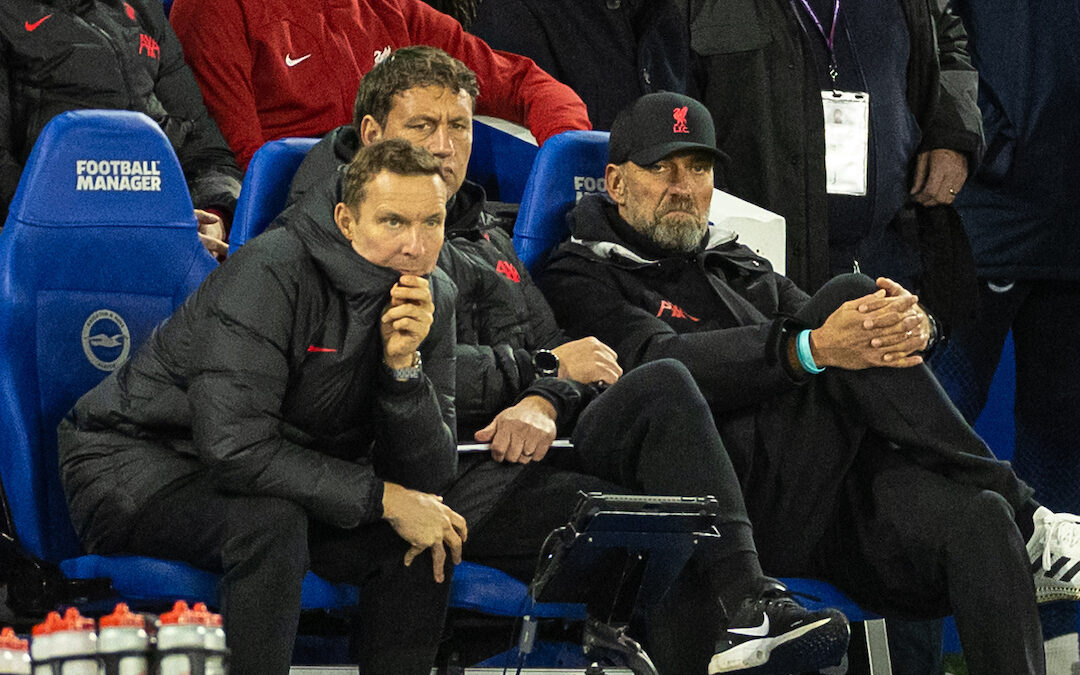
60	55
716	310
609	52
758	78
269	379
502	318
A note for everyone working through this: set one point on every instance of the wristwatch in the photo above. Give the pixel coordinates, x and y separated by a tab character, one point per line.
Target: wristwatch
408	374
545	363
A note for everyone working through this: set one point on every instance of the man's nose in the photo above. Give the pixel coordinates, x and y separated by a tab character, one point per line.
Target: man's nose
412	242
680	183
440	143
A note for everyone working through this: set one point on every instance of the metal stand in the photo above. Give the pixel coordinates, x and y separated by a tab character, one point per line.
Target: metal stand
620	537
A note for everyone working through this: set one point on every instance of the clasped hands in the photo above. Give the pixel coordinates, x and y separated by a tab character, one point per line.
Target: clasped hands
885	328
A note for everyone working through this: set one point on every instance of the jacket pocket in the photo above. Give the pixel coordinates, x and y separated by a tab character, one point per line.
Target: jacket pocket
1000	138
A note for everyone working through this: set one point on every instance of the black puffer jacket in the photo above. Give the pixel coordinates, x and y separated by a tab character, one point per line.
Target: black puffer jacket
502	318
269	380
715	310
60	55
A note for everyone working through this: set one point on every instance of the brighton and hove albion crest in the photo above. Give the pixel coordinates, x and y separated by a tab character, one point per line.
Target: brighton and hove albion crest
106	340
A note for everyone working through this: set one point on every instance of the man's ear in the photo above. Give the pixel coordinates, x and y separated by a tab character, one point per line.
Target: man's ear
370	130
344	219
615	183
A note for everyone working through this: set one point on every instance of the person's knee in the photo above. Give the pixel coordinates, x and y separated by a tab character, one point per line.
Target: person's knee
669	386
985	514
268	531
835	292
846	287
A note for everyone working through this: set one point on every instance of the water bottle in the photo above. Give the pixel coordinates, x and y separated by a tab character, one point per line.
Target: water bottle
68	643
181	641
123	642
14	653
214	640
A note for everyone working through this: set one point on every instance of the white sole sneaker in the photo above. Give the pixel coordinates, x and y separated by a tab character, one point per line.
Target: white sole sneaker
1054	552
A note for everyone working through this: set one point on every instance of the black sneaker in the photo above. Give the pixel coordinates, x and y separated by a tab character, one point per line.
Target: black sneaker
772	634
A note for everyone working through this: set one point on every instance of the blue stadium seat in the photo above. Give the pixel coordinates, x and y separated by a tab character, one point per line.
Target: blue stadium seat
100	245
567	167
502	156
266	187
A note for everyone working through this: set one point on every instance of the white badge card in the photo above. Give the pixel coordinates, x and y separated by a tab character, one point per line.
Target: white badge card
847	136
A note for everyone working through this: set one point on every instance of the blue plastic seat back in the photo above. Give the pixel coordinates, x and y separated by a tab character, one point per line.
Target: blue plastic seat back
99	246
567	167
266	187
500	161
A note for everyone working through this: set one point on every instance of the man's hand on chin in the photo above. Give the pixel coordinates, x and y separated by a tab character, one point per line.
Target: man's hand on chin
406	320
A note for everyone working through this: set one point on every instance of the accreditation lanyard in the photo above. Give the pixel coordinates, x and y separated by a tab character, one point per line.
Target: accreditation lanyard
847	123
830	38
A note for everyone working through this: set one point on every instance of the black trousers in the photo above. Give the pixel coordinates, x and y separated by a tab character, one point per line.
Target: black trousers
650	433
907	510
265	546
1044	317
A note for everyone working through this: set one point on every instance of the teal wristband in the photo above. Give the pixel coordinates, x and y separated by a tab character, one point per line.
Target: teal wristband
802	350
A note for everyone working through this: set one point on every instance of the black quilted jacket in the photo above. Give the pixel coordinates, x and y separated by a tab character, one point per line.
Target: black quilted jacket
269	380
502	319
60	55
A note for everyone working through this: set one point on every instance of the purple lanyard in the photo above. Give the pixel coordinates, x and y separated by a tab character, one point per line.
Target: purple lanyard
830	39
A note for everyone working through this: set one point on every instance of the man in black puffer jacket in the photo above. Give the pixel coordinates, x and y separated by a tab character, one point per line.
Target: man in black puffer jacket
59	55
299	398
519	380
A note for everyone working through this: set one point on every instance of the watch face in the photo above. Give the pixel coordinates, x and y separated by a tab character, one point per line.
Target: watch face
546	363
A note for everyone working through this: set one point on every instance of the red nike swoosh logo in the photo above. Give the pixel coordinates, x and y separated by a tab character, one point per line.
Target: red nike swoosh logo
33	26
313	348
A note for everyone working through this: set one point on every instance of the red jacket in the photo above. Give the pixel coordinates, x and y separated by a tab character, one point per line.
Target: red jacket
275	68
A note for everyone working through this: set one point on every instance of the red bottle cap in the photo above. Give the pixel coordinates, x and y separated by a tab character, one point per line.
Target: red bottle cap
181	614
122	617
206	617
12	642
49	625
72	620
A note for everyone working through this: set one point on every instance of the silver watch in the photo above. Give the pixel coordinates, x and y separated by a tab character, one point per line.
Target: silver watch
409	373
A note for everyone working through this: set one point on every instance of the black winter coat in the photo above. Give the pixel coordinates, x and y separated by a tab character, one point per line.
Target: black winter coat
759	80
269	380
502	318
609	52
1022	208
60	55
715	310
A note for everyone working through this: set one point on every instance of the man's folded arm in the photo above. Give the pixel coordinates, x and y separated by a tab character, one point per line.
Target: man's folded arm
735	367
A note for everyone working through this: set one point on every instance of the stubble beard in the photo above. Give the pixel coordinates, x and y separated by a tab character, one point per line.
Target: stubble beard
681	231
